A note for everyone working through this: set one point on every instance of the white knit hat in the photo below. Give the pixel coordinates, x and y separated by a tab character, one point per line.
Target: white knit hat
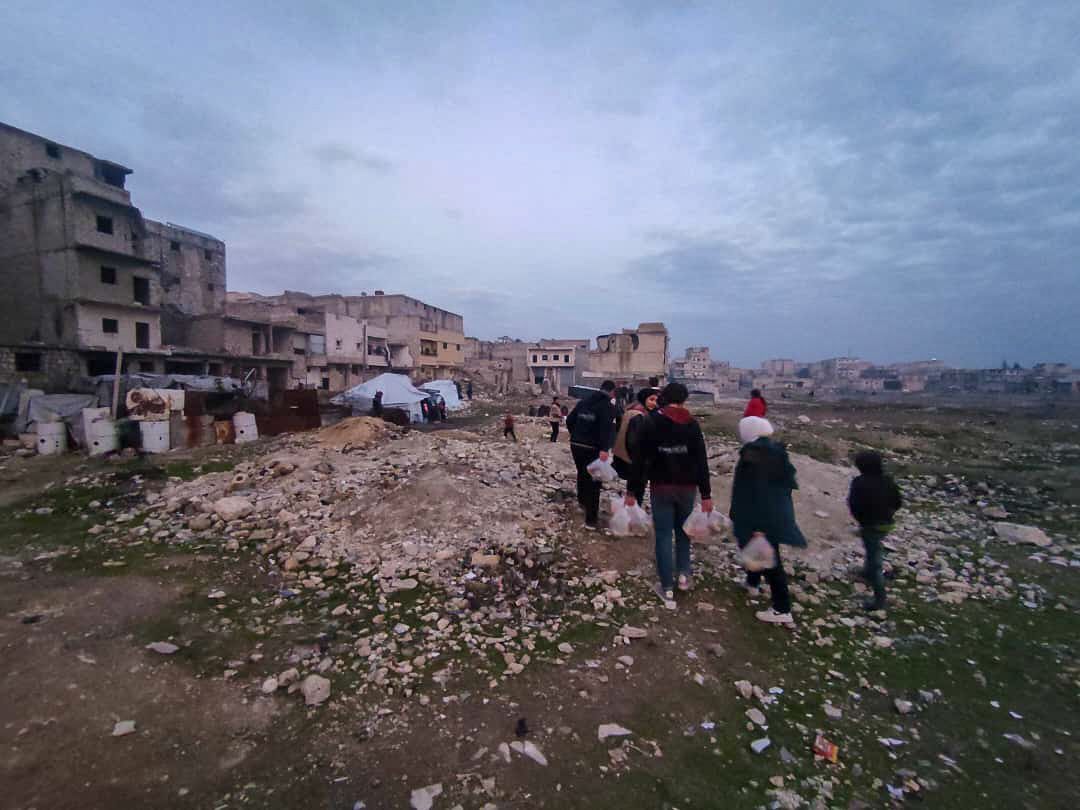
752	428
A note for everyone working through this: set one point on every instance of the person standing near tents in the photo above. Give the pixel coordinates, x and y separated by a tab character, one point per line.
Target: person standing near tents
592	432
376	404
555	418
468	390
761	505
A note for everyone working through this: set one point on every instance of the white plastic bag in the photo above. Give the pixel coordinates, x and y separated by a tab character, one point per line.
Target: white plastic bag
719	523
758	554
620	522
697	525
601	471
640	522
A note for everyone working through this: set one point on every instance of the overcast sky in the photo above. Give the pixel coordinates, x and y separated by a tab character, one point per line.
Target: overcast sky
804	179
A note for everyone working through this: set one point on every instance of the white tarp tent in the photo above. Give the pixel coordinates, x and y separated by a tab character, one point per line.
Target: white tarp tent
448	391
398	392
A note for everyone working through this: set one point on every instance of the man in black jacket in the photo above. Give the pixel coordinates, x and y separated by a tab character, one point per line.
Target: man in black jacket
873	500
592	432
674	460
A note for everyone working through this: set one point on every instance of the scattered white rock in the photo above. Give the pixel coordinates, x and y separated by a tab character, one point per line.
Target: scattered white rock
633	632
757	717
316	689
903	706
611	730
424	798
123	728
162	647
757	746
270	685
233	507
1017	533
746	689
529	750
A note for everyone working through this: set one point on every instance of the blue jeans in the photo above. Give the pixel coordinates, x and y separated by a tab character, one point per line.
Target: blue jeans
670	511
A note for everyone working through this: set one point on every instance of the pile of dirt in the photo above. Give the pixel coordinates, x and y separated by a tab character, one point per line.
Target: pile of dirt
356	431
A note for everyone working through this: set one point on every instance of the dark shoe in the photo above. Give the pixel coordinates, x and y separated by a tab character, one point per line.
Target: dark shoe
591	527
871	605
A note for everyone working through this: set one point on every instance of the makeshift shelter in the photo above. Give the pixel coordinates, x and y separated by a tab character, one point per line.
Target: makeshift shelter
448	391
398	392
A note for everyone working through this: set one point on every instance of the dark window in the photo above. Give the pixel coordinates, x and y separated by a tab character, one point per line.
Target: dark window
337	343
142	335
215	369
298	351
141	290
108	275
566	358
208	254
52	150
355	369
457	346
27	362
326	383
104	224
445	346
534	358
543	357
111	175
210	287
174	245
146	365
109	326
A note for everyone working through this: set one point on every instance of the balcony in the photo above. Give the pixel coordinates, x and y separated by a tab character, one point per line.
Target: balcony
89	187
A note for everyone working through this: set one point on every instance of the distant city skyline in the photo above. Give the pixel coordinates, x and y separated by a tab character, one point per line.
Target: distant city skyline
896	181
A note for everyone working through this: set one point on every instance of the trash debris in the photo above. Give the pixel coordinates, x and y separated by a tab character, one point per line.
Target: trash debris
826	749
606	730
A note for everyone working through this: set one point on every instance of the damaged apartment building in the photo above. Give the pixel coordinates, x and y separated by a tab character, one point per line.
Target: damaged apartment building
86	276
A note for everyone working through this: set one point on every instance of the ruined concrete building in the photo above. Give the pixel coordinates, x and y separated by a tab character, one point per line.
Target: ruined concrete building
632	355
555	365
693	365
86	275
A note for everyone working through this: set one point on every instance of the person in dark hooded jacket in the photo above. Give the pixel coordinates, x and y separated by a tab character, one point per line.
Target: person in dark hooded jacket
673	459
761	504
592	431
873	500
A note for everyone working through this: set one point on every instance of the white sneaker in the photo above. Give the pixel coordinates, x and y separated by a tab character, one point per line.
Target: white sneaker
667	597
773	617
685	582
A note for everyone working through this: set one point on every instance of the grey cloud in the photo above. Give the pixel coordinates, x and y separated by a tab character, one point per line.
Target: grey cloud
337	154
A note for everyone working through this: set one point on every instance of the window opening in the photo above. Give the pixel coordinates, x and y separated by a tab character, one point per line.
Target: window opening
52	150
104	225
110	326
30	361
142	335
108	275
141	290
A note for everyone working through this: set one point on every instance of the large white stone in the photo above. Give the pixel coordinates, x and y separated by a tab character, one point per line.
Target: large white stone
233	507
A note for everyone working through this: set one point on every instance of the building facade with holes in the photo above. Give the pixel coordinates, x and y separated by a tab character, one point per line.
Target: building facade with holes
86	276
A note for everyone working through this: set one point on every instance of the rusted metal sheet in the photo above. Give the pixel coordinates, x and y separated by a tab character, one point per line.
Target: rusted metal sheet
225	432
289	412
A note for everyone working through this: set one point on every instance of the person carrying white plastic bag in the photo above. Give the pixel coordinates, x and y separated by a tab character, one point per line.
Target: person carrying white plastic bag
602	471
672	459
592	432
761	507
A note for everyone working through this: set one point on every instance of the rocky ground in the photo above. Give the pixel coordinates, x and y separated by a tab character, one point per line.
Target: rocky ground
363	618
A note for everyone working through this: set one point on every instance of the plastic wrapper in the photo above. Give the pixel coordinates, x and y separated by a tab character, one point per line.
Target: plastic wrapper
719	523
640	522
620	523
602	471
758	554
826	749
697	525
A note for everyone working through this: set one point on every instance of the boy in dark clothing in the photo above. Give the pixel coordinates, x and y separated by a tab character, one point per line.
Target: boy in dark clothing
555	418
592	432
673	458
873	500
508	427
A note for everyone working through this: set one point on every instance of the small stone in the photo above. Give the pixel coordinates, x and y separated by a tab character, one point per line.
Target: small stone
903	706
1027	535
162	647
883	642
316	690
530	750
481	560
423	798
269	686
233	507
633	632
746	689
757	717
833	711
565	648
757	746
606	730
123	728
626	660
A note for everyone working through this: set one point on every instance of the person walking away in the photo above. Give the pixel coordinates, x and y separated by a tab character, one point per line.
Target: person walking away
672	455
442	409
376	404
627	443
592	431
508	427
468	389
761	504
873	500
757	406
555	417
